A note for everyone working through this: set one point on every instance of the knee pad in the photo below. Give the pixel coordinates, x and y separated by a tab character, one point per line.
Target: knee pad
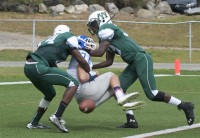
159	97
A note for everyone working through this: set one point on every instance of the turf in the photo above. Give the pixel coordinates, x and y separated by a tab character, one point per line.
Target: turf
19	102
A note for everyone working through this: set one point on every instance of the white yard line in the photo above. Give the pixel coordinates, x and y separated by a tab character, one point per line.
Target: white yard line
166	131
12	83
166	75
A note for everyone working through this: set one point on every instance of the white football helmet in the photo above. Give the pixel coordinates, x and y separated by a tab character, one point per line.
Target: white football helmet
61	29
98	18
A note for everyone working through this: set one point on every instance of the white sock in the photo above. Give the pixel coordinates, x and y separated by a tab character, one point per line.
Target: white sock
129	112
119	93
174	101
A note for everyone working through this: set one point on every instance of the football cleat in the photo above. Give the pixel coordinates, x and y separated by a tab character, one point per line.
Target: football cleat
132	124
188	109
40	126
133	106
58	122
127	97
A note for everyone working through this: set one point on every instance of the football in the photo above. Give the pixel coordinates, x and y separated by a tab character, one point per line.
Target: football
87	106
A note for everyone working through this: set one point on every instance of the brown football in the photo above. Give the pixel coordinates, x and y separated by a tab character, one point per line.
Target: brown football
87	106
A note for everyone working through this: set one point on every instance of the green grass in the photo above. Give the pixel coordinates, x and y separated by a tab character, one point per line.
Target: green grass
18	104
159	56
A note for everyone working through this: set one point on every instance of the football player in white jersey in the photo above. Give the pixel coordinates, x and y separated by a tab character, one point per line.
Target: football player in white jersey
89	87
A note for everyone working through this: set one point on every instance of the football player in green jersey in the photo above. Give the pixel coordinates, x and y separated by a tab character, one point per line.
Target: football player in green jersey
113	40
41	69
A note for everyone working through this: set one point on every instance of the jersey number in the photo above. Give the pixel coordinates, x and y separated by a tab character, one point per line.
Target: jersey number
51	40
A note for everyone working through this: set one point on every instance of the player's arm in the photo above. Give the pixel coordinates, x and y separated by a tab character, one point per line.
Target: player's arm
83	63
108	62
103	46
84	76
73	43
106	35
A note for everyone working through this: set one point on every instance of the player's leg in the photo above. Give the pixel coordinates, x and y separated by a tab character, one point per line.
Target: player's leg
49	94
107	95
121	97
60	77
94	90
30	71
127	78
99	95
97	90
144	67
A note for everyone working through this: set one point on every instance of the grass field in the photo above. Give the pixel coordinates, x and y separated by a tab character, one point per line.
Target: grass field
18	104
169	56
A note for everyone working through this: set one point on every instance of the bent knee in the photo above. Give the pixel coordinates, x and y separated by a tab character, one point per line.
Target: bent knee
159	96
50	96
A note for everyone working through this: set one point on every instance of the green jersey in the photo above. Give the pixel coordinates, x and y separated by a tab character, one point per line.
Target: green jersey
120	42
56	48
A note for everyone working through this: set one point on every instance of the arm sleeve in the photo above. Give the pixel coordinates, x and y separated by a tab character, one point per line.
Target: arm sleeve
72	42
106	34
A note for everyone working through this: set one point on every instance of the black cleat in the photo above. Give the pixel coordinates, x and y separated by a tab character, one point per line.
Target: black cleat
129	125
188	109
131	122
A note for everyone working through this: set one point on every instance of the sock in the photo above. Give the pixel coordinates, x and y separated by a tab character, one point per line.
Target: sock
130	118
61	109
38	115
174	101
129	112
118	92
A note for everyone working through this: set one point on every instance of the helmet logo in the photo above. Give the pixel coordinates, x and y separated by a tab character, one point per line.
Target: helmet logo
101	16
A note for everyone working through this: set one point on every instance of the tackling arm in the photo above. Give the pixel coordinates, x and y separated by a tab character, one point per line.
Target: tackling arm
108	62
84	76
103	46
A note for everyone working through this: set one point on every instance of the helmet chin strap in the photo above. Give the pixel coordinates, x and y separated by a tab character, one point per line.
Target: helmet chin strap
91	31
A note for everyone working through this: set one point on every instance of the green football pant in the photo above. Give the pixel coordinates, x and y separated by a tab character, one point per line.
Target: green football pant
141	68
44	77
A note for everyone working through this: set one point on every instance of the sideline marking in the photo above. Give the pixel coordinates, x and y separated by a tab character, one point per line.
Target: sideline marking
166	131
18	82
156	75
166	75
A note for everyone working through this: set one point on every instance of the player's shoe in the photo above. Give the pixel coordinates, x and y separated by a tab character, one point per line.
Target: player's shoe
133	105
128	97
131	122
59	122
129	125
39	126
188	109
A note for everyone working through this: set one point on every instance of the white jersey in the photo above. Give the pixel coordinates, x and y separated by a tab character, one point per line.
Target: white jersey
73	64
